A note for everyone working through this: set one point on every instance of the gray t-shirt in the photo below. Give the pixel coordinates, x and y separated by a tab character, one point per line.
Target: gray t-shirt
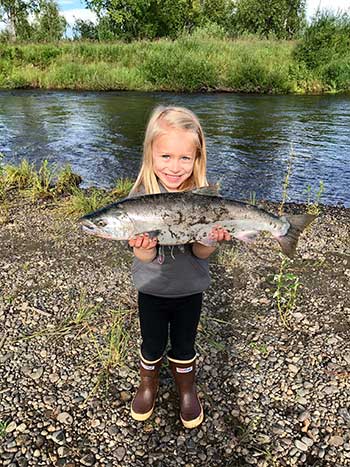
175	271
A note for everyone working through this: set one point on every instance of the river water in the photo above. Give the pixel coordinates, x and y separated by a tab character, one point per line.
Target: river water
250	138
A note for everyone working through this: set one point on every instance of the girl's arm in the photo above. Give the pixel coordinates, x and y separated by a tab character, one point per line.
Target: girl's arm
144	247
218	234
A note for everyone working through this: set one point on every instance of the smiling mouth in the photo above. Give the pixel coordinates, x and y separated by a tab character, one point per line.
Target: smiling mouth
173	176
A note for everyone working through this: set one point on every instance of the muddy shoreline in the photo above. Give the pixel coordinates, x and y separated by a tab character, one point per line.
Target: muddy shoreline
273	395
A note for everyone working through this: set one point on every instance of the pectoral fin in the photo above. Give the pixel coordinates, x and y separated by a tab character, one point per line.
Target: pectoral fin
151	233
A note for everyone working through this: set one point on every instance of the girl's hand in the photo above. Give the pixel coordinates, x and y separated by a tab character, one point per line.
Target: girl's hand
143	242
219	234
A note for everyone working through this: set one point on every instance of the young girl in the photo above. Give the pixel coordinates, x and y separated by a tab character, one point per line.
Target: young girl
170	281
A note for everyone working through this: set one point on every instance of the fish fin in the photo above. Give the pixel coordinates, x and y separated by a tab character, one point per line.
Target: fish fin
297	223
247	236
211	190
151	233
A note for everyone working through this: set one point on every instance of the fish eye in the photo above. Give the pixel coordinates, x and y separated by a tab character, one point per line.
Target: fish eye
101	223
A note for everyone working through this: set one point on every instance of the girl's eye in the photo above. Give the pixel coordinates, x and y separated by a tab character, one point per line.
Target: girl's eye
165	156
186	158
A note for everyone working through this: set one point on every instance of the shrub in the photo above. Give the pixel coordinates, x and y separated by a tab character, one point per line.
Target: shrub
327	38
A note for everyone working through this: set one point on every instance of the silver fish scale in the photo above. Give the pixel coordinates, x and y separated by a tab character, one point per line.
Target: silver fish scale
178	218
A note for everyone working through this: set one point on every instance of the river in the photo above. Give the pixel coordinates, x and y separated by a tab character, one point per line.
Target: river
250	139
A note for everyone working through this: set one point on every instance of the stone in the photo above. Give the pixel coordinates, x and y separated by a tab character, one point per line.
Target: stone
120	453
300	445
58	437
65	417
336	441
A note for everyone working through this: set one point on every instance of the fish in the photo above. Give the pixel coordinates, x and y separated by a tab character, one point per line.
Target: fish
178	218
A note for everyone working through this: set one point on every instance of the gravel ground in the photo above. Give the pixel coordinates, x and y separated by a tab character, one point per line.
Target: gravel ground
274	394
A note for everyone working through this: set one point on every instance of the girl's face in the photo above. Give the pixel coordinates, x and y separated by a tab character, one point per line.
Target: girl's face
173	157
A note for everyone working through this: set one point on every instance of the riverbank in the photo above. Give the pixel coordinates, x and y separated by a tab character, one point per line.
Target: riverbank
273	394
189	64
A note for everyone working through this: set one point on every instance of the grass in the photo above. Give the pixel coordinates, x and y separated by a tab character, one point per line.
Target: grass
45	182
3	426
287	284
190	63
314	198
50	182
286	181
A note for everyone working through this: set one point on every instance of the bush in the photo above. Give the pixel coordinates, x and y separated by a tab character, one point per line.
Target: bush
326	39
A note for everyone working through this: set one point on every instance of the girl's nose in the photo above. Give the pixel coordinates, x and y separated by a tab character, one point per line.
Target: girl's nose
175	165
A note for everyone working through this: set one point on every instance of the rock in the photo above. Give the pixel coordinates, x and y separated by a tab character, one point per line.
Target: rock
293	368
300	445
120	453
37	373
88	459
65	417
58	437
11	427
336	441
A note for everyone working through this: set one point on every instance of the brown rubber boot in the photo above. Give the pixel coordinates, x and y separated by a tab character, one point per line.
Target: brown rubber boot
191	411
143	403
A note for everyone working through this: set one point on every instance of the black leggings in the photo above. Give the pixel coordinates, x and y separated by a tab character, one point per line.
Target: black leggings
156	313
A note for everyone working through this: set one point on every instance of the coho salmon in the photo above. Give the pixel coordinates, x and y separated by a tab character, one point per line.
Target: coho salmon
177	218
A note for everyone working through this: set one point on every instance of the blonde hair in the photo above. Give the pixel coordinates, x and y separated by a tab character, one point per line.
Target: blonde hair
163	118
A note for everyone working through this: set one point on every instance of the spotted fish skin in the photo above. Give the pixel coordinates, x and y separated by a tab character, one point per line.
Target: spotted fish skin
177	218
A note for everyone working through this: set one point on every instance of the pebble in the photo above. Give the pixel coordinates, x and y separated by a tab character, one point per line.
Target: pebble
260	383
336	441
300	445
65	417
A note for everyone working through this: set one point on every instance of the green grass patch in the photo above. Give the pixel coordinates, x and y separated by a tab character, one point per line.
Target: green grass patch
191	63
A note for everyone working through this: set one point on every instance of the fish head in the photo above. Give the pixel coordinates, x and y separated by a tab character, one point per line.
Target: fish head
112	223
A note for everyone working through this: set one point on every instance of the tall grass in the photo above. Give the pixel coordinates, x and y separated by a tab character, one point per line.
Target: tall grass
191	63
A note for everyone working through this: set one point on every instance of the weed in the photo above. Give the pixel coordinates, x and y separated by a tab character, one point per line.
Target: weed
67	181
261	348
286	180
42	183
83	201
118	338
252	198
19	176
84	312
313	206
122	187
3	426
287	285
227	256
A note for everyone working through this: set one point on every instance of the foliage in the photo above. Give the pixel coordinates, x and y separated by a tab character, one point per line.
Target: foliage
314	198
49	25
138	19
281	18
287	284
325	40
194	62
15	14
85	30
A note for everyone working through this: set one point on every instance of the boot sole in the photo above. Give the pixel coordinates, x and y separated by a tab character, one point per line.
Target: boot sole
141	417
195	422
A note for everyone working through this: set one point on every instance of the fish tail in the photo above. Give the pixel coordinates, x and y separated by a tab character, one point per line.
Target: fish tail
297	223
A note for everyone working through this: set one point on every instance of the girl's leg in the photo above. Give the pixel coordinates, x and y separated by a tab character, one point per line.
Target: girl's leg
184	320
182	358
154	330
154	322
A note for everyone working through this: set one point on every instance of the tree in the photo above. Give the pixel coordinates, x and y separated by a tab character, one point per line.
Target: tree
49	25
217	11
15	14
283	18
138	19
85	30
